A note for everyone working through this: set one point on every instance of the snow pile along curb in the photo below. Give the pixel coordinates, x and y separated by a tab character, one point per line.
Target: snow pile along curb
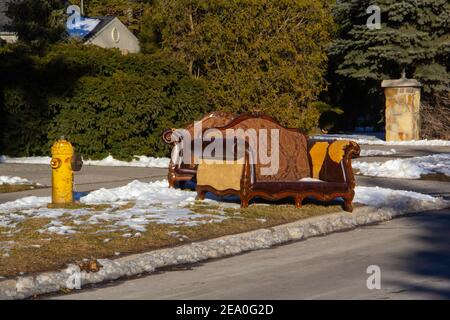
26	286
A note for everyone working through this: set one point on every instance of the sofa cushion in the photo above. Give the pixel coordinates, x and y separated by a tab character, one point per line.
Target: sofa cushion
220	175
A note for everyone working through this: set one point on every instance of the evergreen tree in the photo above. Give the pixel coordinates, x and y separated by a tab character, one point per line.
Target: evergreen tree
257	55
37	22
414	35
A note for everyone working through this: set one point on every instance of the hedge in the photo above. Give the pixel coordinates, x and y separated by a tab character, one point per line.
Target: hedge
102	101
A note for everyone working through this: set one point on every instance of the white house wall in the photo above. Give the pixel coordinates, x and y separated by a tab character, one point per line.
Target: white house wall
127	41
9	38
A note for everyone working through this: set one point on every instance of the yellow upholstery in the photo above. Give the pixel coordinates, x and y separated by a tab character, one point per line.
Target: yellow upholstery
336	150
220	176
318	152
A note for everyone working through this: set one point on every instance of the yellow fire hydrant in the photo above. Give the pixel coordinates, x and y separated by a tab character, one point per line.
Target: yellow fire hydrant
63	163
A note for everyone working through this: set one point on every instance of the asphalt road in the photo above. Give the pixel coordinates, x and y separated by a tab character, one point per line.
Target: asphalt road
413	254
88	179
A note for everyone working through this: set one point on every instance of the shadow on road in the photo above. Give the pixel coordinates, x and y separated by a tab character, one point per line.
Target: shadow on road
432	259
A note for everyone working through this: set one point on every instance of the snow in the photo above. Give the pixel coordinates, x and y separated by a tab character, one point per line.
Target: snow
152	202
409	168
407	201
14	180
309	179
138	161
371	140
24	203
151	193
25	160
376	152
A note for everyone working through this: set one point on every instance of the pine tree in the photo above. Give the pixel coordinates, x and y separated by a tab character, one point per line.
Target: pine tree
257	55
414	35
37	22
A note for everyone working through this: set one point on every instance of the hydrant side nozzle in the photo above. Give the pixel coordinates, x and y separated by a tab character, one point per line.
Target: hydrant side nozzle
55	163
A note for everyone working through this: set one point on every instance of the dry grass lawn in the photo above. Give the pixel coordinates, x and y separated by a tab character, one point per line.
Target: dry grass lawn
29	251
5	188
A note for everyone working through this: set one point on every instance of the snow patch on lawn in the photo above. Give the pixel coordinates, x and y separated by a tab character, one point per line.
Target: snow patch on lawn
24	203
371	140
138	161
157	192
151	202
410	168
155	202
407	201
14	180
374	152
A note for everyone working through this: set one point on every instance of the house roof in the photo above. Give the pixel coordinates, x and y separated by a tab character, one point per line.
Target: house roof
104	21
3	19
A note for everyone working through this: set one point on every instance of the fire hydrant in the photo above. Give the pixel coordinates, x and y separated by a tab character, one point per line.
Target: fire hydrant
64	162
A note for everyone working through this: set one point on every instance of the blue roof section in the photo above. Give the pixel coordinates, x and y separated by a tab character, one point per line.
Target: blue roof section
81	27
87	27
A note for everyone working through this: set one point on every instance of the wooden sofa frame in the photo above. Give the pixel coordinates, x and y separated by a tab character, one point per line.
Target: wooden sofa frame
182	172
299	190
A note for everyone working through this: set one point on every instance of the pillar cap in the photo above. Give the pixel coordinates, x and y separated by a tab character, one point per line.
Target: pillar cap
400	83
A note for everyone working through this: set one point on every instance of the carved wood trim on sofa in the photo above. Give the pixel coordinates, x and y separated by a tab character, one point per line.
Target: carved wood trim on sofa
340	185
186	172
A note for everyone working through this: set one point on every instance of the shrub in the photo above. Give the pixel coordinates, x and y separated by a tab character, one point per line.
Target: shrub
435	117
105	103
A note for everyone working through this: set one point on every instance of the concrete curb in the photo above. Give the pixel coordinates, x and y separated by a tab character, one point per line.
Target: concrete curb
26	286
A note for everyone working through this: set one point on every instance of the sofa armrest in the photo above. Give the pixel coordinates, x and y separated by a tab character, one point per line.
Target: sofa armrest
167	136
330	160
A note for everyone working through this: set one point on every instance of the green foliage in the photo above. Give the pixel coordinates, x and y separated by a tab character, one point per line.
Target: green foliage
105	103
129	12
256	55
329	115
414	35
37	22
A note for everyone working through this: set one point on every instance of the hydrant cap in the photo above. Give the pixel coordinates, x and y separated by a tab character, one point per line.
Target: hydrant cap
62	146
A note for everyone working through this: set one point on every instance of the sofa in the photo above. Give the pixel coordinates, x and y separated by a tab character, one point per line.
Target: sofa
307	167
180	170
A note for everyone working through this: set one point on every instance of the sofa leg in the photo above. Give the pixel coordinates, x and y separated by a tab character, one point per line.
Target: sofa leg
171	180
244	201
171	177
298	202
201	194
348	205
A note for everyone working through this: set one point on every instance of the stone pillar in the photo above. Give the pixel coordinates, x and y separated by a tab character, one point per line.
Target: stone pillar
402	109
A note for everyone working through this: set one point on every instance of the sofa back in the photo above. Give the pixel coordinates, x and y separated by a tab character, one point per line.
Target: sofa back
292	147
211	120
